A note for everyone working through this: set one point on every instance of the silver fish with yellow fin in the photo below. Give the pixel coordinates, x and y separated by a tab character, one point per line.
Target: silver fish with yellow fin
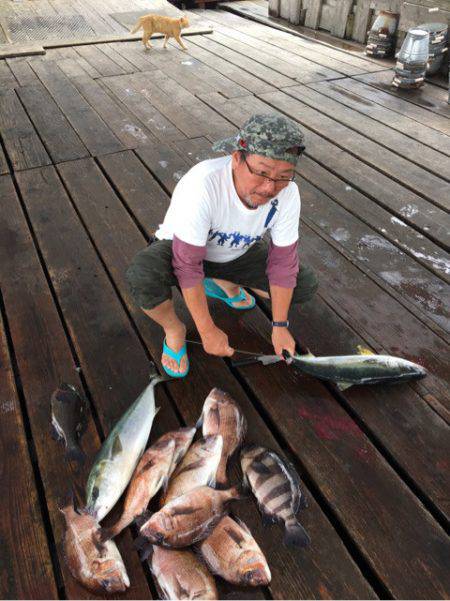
117	459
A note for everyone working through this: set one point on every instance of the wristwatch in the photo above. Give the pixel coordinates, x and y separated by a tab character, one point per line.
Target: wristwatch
280	324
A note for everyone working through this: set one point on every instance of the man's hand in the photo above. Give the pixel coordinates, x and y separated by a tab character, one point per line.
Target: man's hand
215	342
282	340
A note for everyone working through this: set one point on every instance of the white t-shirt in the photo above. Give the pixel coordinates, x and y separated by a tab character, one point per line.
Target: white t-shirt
206	211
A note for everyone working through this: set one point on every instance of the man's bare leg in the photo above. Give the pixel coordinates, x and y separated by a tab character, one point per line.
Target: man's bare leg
233	289
174	329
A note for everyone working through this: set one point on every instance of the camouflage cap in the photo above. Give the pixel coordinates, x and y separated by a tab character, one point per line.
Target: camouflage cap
269	135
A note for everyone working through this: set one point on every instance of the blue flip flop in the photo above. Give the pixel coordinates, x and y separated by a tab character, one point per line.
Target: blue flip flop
214	291
177	356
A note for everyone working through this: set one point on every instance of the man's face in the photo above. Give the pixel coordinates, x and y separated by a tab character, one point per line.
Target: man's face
250	177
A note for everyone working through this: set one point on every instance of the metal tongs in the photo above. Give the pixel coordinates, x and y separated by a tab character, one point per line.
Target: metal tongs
264	359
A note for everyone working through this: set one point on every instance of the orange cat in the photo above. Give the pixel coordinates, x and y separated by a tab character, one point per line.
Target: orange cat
170	26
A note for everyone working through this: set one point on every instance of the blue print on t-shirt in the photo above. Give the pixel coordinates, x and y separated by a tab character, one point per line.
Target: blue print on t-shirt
236	238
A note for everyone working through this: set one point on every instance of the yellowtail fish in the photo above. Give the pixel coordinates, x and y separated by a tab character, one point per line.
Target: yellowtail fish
117	459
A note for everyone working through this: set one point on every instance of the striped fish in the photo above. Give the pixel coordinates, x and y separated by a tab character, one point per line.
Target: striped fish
276	486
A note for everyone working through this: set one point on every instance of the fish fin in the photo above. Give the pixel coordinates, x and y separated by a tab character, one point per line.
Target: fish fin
296	536
140	519
362	350
199	423
116	447
242	524
75	454
106	534
146	553
307	355
211	480
153	371
343	385
54	433
303	503
267	519
140	542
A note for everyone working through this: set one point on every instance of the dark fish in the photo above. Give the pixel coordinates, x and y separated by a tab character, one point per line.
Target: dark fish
276	486
189	518
222	415
69	420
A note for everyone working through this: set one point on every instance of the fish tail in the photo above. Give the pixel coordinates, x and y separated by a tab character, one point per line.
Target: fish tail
296	535
106	534
74	453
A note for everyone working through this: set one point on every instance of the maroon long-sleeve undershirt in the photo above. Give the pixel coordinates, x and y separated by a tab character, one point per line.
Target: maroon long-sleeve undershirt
187	261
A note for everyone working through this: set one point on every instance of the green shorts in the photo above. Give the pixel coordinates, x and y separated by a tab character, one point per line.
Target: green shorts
151	276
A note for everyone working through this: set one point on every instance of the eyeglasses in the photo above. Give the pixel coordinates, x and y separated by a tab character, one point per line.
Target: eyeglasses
281	180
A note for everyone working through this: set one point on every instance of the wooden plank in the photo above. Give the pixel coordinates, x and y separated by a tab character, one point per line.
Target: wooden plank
182	116
340	19
314	64
300	44
321	568
118	59
408	148
353	94
279	64
404	204
246	80
92	130
153	119
22	70
44	360
395	230
258	69
27	571
60	139
71	55
430	97
411	176
420	291
133	52
303	69
401	106
3	163
98	59
199	71
126	127
350	458
23	146
312	17
7	79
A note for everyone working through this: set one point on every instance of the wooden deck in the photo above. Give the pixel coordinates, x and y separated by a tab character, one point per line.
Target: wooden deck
93	140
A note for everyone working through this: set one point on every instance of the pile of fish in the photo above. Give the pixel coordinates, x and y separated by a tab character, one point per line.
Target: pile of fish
191	537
